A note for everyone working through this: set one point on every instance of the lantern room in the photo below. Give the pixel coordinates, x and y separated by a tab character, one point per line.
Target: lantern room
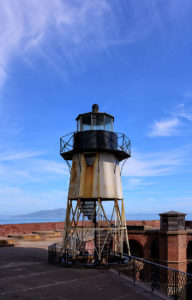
95	134
95	120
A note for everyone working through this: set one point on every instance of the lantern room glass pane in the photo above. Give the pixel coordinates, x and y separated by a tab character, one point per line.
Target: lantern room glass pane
108	123
78	125
86	122
98	122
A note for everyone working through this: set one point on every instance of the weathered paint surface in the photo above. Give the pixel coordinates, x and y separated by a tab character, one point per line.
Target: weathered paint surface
75	177
99	180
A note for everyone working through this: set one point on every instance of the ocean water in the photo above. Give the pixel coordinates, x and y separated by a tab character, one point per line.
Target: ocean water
14	220
131	217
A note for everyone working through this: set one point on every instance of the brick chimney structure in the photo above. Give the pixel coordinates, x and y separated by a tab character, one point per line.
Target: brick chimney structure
172	240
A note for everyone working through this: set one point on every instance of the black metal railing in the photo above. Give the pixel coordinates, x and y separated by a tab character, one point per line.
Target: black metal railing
121	143
170	282
66	143
86	257
167	281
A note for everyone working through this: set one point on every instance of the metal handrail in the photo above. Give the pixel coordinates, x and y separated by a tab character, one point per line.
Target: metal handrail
66	144
168	281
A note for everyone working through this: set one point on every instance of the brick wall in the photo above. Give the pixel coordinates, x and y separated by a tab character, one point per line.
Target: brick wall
153	223
29	227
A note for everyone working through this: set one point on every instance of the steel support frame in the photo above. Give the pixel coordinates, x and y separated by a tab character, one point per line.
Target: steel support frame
77	230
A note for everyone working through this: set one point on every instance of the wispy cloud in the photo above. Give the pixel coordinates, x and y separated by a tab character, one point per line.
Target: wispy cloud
184	111
29	166
27	25
137	183
148	205
30	182
24	201
37	29
158	164
49	167
18	156
164	128
179	121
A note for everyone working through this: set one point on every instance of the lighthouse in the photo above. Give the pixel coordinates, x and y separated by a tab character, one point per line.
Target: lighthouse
95	229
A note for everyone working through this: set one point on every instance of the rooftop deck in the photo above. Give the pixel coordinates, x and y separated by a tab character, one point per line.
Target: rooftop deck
25	274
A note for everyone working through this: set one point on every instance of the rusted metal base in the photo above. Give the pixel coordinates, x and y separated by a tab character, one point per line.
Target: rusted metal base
57	257
92	235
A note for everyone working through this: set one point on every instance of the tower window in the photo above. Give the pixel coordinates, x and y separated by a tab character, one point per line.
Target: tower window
95	121
98	122
108	123
86	122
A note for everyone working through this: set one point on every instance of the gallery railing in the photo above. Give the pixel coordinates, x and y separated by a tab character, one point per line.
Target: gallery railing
170	282
167	281
121	143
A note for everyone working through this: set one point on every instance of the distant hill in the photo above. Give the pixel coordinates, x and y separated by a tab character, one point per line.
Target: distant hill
55	213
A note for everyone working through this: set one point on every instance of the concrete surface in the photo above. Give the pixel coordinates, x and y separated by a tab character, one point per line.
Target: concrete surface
25	274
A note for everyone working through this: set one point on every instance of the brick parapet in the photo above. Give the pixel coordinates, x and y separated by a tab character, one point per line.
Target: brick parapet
5	230
48	226
150	223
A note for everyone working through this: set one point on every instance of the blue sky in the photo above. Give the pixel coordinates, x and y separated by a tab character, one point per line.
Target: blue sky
133	58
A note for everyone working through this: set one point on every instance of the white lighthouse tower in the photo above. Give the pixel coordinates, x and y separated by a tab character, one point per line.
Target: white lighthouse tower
95	225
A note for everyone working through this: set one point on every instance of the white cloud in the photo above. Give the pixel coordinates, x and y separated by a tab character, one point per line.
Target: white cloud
29	183
18	200
148	205
184	112
31	25
177	123
18	156
61	31
164	127
158	164
23	167
181	204
137	184
49	167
